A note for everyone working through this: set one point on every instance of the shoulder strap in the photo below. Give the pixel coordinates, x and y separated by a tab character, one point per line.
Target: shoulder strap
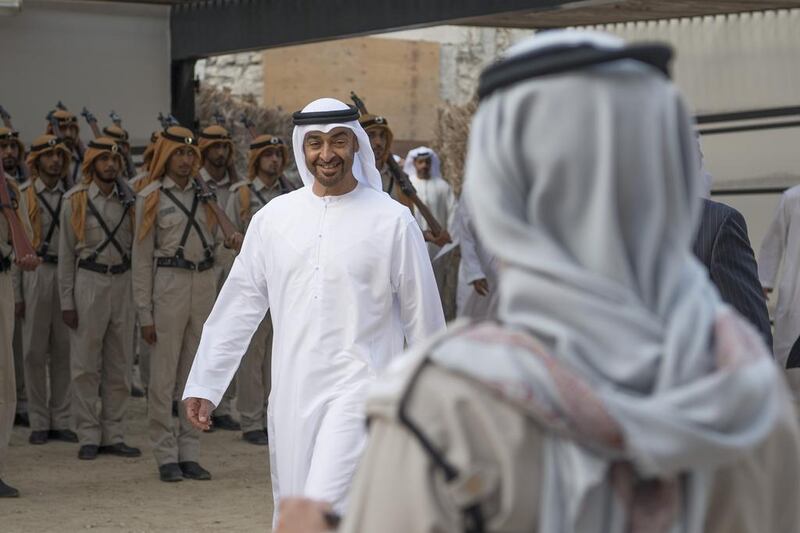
54	216
191	223
110	234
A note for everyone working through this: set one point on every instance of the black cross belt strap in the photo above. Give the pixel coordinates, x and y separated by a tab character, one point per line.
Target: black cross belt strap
54	216
111	235
178	260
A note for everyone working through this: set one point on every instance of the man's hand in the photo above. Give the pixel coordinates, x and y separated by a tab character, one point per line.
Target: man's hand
198	411
28	263
70	318
481	286
149	334
19	309
767	292
234	242
439	240
301	515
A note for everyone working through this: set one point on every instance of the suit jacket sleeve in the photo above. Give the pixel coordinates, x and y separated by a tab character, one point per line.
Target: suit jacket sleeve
733	270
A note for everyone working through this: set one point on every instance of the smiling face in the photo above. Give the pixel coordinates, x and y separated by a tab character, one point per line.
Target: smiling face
329	156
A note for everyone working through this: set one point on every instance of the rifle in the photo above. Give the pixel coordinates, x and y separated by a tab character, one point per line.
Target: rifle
167	121
23	169
68	178
401	178
130	168
116	119
234	175
126	194
19	239
250	126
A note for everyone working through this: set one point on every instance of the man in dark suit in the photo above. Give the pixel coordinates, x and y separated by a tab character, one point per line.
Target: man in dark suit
723	247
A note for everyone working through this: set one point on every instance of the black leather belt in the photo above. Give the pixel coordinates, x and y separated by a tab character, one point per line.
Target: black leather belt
180	262
5	264
49	258
100	268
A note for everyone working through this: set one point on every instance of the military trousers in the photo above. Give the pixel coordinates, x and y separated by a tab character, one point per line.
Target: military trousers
19	368
45	342
8	388
254	378
102	354
182	300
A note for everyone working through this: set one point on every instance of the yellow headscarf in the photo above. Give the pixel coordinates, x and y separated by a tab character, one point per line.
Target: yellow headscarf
42	145
375	122
168	142
78	199
215	135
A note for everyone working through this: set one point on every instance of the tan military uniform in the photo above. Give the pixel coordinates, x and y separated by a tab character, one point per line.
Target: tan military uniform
254	371
140	348
391	188
8	389
495	451
95	280
224	262
177	301
45	337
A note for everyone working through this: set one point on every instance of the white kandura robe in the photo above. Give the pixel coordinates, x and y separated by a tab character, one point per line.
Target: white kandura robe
782	241
438	196
476	263
347	278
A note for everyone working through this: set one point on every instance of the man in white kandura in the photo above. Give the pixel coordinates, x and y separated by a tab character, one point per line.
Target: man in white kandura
346	274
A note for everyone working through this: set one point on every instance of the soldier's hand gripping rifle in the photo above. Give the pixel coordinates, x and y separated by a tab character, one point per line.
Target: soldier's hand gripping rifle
130	168
232	172
24	254
21	166
440	236
126	194
233	237
56	127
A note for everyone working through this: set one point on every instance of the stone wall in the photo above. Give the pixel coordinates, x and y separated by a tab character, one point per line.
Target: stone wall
242	74
464	52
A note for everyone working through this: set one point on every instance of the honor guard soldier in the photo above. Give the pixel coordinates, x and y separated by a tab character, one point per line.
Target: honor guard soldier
8	389
96	299
380	138
45	337
174	287
70	132
265	181
12	153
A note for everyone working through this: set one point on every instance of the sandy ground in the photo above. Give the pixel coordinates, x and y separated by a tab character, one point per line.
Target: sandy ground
61	493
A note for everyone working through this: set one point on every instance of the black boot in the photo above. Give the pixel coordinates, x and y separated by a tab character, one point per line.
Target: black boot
225	422
121	449
258	437
38	437
7	491
192	470
65	435
88	452
170	472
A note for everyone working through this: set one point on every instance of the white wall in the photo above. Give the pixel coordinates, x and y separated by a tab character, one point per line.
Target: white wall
104	55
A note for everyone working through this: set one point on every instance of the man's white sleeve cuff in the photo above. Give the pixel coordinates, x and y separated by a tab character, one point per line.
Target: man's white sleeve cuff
198	391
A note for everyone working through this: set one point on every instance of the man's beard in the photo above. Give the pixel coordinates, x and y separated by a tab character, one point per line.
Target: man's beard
10	164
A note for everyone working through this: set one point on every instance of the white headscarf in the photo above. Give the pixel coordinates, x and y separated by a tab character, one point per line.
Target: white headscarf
364	168
436	164
584	185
